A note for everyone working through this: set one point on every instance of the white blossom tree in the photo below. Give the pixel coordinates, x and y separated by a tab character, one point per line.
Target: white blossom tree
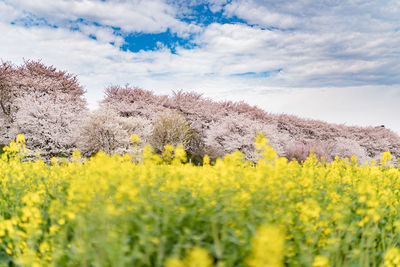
50	122
105	130
237	132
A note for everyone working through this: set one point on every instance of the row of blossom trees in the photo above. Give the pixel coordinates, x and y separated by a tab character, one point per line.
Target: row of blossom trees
48	106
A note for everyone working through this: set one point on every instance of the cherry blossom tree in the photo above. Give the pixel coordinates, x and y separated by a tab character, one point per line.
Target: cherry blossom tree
237	132
50	122
43	103
105	130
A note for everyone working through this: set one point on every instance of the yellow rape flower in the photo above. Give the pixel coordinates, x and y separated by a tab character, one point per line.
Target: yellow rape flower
267	247
180	155
266	152
174	262
135	140
321	261
386	159
198	257
392	257
206	160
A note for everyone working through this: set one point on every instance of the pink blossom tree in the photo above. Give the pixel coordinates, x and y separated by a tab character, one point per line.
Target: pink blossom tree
43	103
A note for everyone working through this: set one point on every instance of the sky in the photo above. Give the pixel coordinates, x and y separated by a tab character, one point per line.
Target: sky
332	60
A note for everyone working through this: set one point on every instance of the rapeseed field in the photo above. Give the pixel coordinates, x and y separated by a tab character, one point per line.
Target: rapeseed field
158	210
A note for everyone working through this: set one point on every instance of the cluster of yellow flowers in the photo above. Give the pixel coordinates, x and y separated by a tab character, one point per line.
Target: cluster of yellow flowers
161	211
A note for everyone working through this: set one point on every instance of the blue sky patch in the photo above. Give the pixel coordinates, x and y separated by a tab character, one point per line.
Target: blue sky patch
201	14
31	20
136	42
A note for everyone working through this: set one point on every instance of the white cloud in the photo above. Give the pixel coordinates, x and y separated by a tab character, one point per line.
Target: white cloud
102	34
319	15
260	14
149	16
8	13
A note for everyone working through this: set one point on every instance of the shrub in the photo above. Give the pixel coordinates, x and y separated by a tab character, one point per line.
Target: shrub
172	128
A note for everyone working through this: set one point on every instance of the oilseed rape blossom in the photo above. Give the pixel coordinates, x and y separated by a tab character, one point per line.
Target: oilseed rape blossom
392	257
148	209
267	247
320	261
